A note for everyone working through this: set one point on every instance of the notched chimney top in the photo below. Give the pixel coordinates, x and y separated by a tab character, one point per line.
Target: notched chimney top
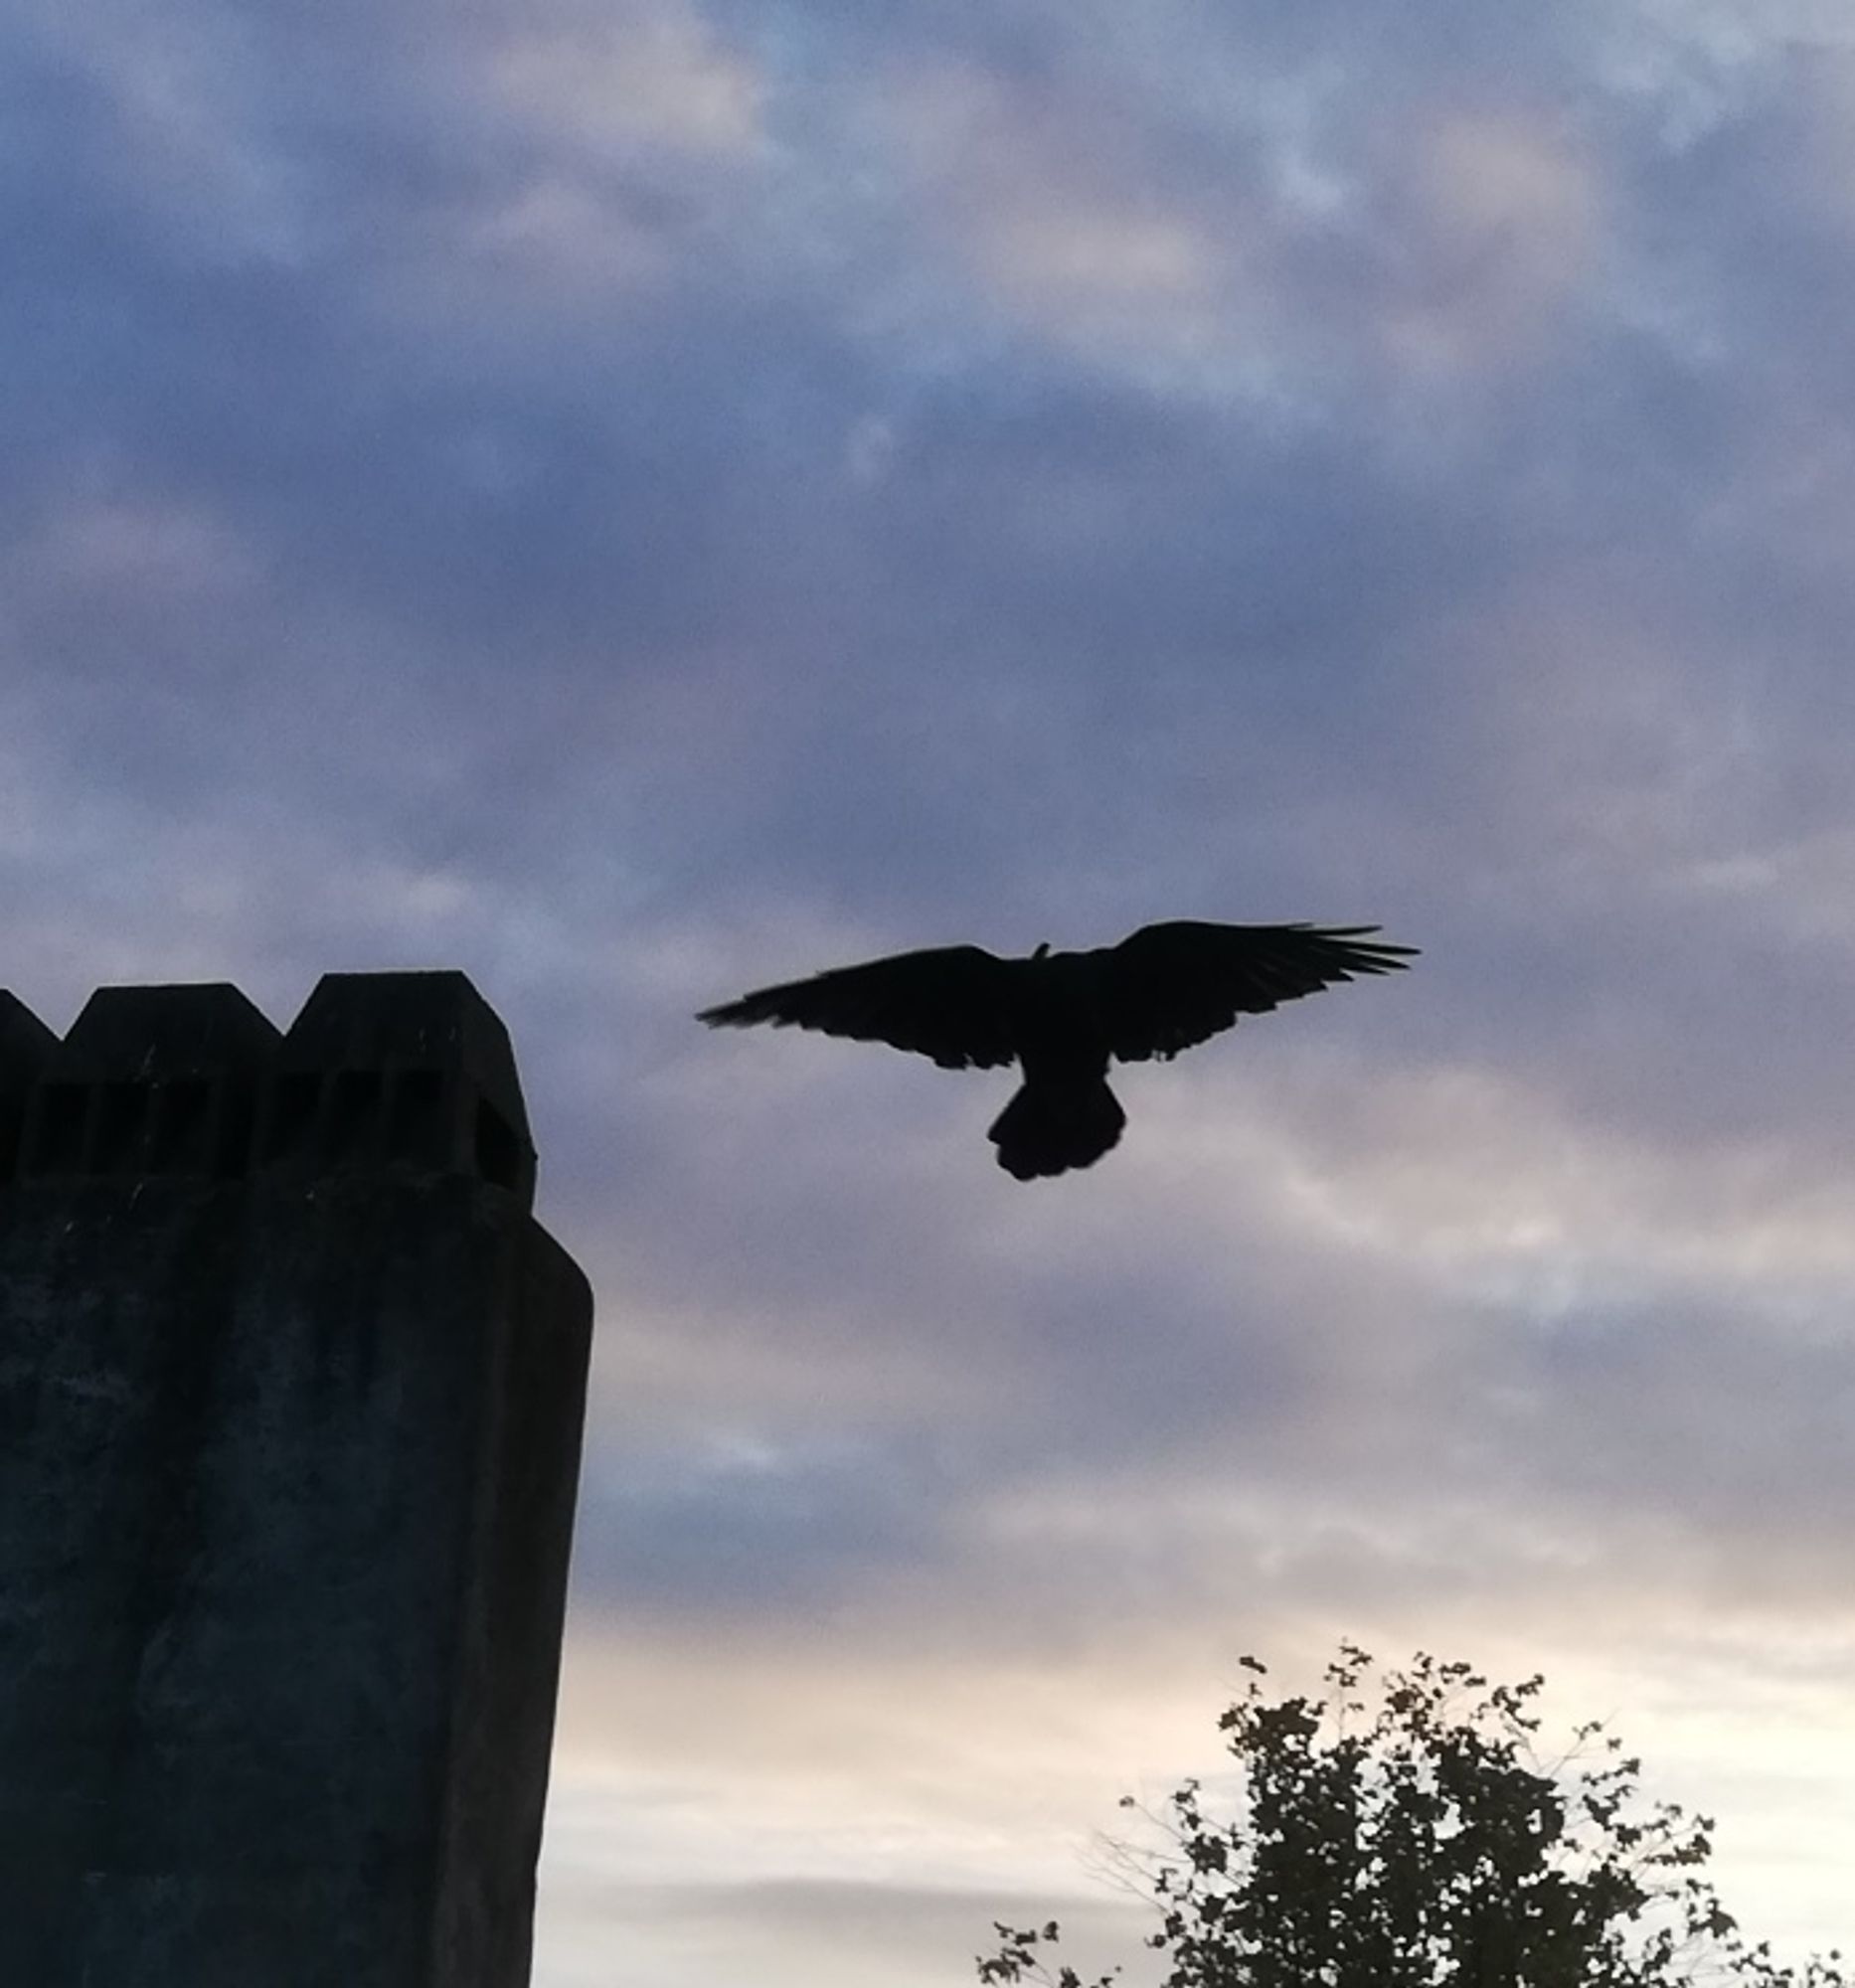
399	1070
148	1034
433	1021
380	1072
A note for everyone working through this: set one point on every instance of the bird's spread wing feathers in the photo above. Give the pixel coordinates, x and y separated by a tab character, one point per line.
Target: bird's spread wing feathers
950	1003
1170	986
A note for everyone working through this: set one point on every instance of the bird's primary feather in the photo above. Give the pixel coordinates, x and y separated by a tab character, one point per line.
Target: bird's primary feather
948	1002
1172	986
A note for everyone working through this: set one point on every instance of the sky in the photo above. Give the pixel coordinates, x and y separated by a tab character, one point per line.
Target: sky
638	499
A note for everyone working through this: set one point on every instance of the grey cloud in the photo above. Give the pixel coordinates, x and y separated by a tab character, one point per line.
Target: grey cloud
758	1529
1716	1421
1097	1360
1009	539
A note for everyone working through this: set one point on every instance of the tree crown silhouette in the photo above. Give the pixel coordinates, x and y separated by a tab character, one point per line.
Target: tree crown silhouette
1402	1832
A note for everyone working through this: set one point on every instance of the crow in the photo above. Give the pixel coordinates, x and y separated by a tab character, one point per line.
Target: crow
1062	1016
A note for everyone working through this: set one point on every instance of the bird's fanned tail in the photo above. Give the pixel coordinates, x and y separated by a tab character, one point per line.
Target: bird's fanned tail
1048	1128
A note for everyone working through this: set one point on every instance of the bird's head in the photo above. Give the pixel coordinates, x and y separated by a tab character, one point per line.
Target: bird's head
1043	947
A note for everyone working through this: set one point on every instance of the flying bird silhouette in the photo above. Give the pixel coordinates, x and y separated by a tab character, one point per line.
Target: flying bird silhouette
1063	1016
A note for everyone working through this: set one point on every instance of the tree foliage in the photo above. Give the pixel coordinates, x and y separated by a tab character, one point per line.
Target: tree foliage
1402	1832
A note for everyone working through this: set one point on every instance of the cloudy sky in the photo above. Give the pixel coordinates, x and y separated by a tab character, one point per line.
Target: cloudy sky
641	498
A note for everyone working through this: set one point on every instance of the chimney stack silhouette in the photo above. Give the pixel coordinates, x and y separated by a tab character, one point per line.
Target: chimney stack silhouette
291	1394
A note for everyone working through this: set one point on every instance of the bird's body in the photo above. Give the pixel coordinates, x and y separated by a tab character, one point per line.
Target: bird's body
1064	1017
1063	1115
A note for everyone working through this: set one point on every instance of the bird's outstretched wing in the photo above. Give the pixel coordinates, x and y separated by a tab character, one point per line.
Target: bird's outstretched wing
1170	986
948	1002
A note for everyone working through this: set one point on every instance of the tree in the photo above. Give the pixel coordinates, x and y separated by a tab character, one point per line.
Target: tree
1401	1832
